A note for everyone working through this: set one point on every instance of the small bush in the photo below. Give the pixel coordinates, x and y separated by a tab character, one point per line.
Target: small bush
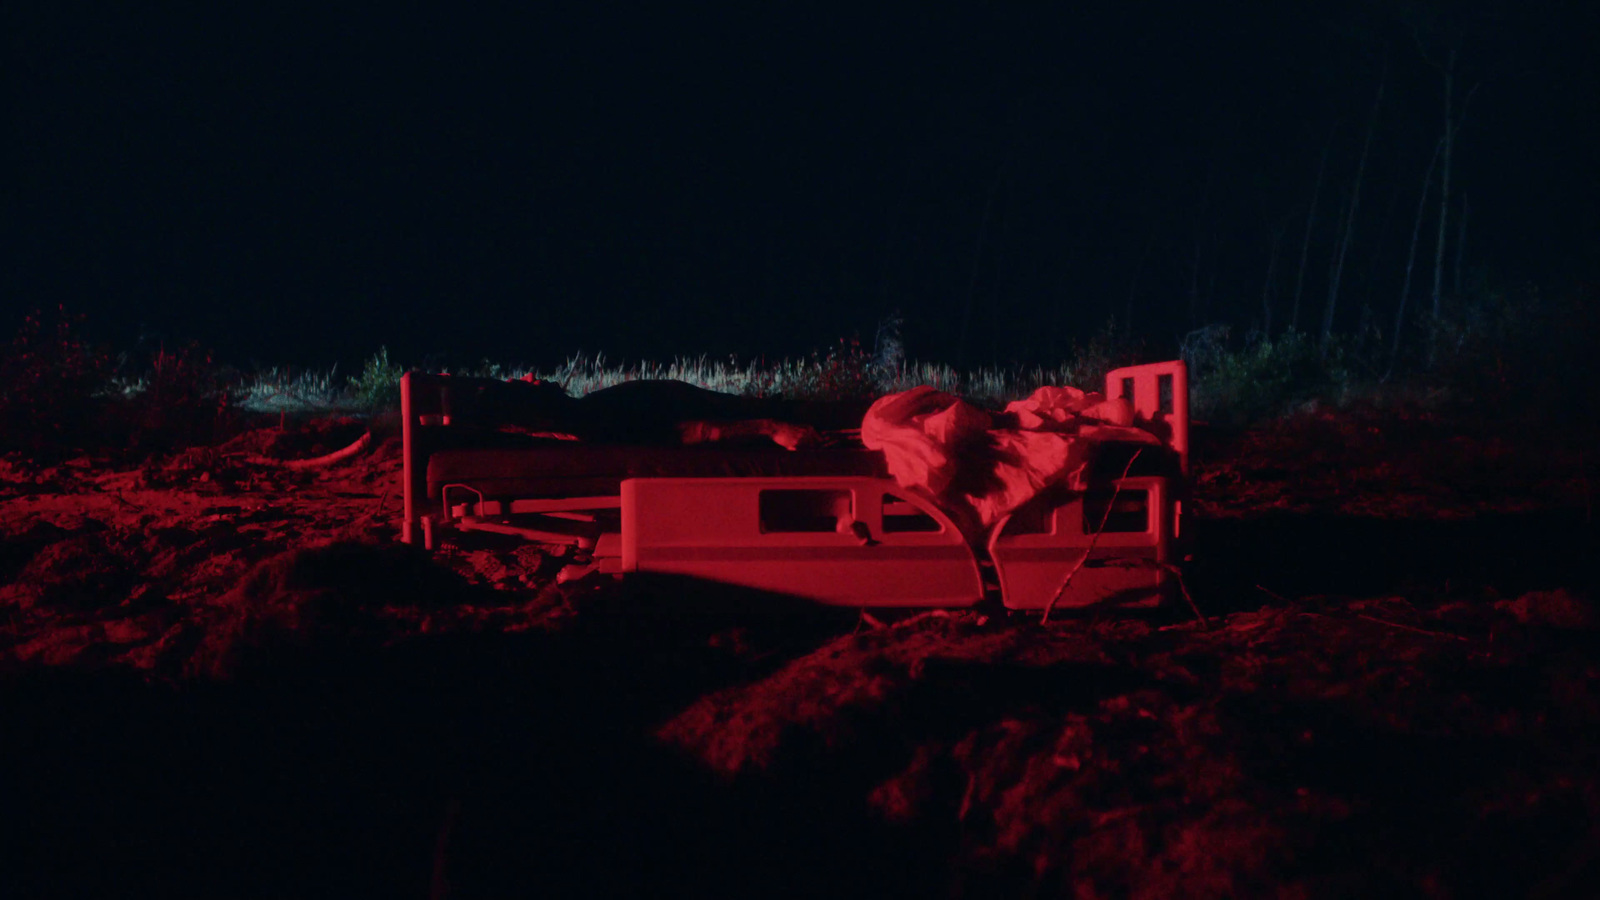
848	373
1516	350
48	382
1264	378
889	348
1112	347
377	388
184	399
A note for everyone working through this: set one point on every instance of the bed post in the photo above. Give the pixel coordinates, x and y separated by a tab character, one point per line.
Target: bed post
414	467
1159	395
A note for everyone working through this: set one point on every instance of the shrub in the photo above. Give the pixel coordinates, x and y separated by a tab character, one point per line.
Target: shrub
184	399
1111	347
1265	377
1515	349
848	373
48	382
889	350
377	388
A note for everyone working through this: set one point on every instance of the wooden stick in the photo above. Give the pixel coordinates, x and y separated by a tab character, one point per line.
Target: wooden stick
1410	627
1093	539
1177	573
360	446
1276	596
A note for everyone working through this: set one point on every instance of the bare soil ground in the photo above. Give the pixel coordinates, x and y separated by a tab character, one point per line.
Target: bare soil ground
220	678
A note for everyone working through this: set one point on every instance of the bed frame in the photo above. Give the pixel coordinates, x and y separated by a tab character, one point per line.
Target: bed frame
830	526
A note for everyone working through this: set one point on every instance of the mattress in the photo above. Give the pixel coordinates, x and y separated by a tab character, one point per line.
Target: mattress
571	469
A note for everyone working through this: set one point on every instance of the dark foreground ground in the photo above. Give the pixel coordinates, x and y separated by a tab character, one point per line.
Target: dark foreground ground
220	678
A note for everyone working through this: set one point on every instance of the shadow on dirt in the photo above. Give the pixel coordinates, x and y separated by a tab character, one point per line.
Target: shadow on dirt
328	763
1411	806
529	764
503	764
1300	555
338	761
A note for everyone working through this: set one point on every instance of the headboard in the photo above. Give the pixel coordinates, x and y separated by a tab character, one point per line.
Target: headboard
1159	393
442	411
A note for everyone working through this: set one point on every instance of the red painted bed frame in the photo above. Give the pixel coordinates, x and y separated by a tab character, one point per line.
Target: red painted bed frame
845	539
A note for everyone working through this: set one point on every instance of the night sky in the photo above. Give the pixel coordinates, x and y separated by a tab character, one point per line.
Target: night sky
300	185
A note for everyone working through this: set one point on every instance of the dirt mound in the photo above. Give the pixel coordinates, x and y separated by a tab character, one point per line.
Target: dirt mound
1561	609
18	548
327	598
1398	694
818	700
81	572
1337	748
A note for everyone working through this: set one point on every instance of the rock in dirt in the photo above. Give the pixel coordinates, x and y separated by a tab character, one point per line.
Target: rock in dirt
1561	608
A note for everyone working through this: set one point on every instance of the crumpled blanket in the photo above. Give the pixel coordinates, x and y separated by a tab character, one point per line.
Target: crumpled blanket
980	466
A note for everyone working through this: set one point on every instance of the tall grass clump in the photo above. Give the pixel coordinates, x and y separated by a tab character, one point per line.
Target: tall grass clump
1495	348
284	390
847	372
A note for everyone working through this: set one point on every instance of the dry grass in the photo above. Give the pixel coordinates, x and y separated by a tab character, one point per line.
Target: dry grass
280	390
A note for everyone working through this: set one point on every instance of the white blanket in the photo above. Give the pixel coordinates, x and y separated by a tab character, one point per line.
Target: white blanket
979	466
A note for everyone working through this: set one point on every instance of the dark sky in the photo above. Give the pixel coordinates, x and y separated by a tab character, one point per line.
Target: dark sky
293	185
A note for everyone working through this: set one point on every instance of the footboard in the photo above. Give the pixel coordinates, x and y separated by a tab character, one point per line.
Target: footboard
1112	545
451	412
1159	394
838	541
413	404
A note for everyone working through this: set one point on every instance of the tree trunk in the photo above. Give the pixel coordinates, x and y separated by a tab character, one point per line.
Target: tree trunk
1305	243
1411	258
1194	286
1461	247
1350	220
1133	283
977	255
1200	227
996	312
1269	283
895	216
1444	182
1054	349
